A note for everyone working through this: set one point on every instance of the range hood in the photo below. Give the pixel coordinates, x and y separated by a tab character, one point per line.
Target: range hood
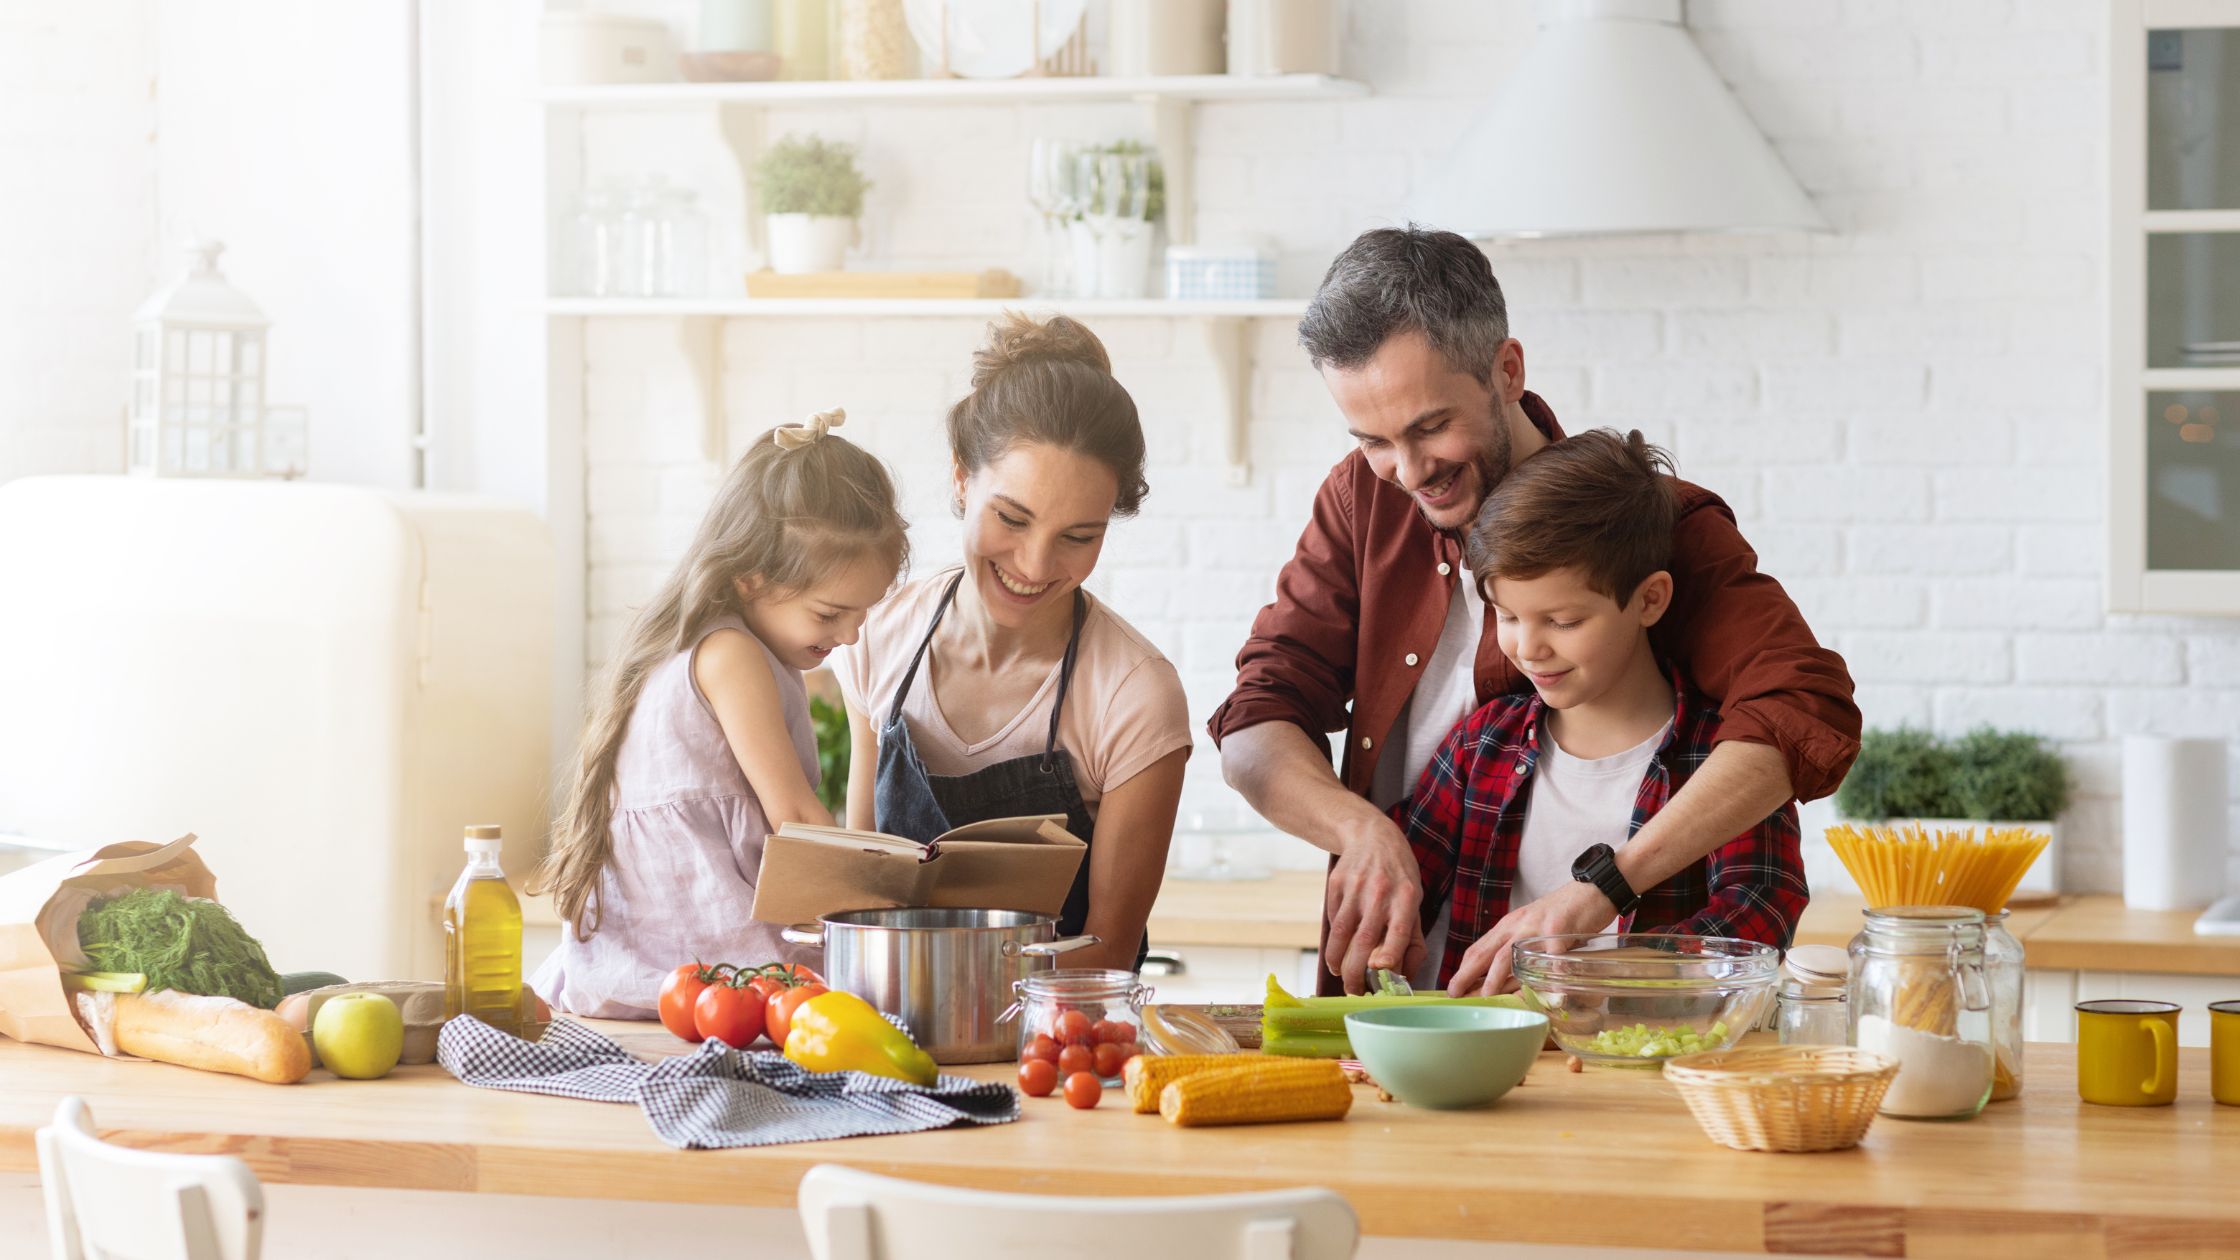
1614	124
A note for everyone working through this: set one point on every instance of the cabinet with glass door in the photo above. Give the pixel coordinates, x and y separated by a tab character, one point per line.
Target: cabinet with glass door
2174	307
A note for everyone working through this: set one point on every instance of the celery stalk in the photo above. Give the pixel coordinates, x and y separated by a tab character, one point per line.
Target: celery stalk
1315	1027
105	981
1307	1045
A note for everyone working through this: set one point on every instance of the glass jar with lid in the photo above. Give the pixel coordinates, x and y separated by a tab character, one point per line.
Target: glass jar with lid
1811	1009
1082	1019
1920	995
2002	964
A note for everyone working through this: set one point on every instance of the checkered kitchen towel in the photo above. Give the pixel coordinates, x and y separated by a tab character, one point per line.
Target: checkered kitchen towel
717	1097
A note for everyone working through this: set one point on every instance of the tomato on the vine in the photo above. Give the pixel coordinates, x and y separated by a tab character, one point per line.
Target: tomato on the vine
679	991
778	1011
729	1014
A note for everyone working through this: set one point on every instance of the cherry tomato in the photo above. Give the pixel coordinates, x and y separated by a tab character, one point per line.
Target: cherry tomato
1075	1028
1083	1090
1076	1059
1110	1031
678	993
1108	1058
1037	1077
778	1012
1041	1048
728	1014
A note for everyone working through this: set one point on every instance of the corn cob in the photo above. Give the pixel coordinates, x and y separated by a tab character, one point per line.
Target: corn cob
1147	1074
1259	1093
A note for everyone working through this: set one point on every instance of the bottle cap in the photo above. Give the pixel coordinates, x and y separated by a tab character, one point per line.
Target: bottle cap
485	838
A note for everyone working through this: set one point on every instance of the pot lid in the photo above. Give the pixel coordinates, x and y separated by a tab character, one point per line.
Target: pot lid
1169	1029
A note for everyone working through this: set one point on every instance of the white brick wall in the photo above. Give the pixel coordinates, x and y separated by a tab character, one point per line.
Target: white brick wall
78	183
1905	413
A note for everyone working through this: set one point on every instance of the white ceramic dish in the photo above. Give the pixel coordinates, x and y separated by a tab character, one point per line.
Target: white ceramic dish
991	39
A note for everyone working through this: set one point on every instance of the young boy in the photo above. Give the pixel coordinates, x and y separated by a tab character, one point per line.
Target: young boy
1535	790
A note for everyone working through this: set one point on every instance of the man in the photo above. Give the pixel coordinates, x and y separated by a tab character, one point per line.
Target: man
1376	629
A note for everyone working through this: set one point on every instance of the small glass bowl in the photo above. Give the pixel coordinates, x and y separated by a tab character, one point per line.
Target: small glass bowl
1638	998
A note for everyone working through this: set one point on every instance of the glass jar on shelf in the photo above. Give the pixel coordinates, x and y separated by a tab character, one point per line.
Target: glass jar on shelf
1086	1019
2002	964
803	32
680	267
1811	1010
873	40
1920	995
594	257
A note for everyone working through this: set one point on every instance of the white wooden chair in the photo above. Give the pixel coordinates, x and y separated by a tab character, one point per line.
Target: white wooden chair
852	1215
108	1202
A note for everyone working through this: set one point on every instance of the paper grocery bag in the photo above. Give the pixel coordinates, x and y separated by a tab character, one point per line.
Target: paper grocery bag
39	907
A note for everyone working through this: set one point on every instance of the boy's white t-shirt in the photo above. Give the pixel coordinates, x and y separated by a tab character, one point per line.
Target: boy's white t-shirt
1576	803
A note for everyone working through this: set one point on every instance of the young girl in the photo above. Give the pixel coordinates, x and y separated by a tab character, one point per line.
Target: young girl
700	744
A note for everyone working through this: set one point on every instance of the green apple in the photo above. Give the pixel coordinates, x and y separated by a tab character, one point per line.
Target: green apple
358	1035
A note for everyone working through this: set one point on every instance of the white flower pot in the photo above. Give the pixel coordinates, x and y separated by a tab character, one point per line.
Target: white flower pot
801	243
1111	256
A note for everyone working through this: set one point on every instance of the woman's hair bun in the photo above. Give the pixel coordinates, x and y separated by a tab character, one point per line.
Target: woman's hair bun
1019	338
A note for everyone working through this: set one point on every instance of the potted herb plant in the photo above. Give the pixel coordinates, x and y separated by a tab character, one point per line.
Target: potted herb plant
1986	778
812	195
1118	197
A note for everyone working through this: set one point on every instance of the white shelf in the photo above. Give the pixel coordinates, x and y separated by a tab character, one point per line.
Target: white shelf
1193	87
979	308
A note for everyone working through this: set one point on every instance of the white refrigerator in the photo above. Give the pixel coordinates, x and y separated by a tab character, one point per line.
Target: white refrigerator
326	683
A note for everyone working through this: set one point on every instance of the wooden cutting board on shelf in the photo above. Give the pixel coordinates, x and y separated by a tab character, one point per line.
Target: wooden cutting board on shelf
992	283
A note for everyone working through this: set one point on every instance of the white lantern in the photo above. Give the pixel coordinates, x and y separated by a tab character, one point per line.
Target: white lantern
198	400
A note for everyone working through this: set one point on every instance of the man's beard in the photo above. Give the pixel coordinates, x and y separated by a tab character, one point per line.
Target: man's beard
1491	464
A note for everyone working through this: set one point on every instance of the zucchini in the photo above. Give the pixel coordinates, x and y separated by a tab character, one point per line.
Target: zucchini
292	982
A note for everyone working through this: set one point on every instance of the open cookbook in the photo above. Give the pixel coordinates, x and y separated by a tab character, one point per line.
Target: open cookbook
1024	863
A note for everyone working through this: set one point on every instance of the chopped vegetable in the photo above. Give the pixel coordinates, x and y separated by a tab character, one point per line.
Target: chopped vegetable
1644	1042
185	943
1315	1027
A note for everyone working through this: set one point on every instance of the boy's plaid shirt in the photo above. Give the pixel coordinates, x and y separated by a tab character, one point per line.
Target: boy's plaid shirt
1466	817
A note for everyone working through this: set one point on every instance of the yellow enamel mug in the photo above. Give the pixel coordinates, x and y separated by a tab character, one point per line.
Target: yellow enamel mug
2127	1052
2224	1052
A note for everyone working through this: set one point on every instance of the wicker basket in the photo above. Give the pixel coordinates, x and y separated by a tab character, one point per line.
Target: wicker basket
1783	1098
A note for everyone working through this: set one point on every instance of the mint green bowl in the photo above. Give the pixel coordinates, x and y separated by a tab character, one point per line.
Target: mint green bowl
1447	1057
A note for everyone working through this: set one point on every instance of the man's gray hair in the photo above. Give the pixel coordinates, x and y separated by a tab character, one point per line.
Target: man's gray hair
1394	280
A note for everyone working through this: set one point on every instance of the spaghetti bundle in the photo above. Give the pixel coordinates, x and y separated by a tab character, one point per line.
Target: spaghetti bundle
1907	866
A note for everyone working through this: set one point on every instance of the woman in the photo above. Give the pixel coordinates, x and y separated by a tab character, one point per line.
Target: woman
1000	687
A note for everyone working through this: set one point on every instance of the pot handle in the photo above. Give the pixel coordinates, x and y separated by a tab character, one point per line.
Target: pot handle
1046	949
811	934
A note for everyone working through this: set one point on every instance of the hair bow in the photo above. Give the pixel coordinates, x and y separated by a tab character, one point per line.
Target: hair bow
792	437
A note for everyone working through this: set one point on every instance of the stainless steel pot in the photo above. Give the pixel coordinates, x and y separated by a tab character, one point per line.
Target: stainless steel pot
947	974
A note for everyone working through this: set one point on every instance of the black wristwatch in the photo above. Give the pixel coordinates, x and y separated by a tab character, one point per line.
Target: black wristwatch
1599	866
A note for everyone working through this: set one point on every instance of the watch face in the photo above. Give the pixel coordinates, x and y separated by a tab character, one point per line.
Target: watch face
1582	867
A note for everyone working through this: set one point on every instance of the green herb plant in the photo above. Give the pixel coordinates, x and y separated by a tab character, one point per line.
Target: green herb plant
1988	775
833	746
810	175
1155	196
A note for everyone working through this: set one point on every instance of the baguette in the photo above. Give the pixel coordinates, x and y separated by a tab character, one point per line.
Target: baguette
216	1034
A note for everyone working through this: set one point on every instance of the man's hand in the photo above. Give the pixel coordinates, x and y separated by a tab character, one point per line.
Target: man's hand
1372	897
1575	907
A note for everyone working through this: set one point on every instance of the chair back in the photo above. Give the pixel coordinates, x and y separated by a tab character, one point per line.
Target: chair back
851	1215
107	1202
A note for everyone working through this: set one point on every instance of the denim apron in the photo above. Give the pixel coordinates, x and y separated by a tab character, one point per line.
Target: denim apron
917	805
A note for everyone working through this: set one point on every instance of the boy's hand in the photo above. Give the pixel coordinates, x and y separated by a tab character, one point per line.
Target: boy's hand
1372	896
1575	907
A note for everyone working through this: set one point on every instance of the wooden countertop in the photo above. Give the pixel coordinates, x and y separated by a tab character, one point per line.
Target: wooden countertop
2092	933
1602	1157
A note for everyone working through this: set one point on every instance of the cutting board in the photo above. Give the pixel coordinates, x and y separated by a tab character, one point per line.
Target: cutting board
992	283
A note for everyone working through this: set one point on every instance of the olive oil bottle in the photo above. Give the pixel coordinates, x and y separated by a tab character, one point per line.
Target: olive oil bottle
482	939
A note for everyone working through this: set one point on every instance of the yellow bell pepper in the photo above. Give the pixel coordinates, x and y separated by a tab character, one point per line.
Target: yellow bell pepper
840	1032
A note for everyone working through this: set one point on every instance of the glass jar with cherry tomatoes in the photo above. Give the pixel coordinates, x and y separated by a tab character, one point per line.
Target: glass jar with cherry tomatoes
1081	1020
